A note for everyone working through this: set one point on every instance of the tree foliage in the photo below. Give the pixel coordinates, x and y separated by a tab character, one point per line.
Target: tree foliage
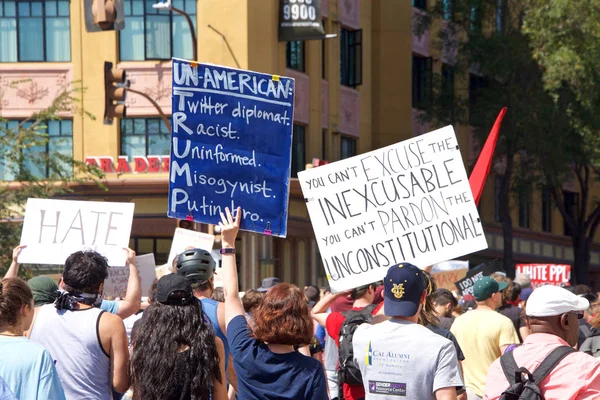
34	165
495	68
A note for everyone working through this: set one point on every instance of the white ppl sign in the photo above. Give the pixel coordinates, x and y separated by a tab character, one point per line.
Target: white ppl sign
54	229
185	238
118	278
408	202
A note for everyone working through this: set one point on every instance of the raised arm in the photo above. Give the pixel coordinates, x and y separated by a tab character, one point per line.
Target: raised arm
13	270
133	297
319	311
229	231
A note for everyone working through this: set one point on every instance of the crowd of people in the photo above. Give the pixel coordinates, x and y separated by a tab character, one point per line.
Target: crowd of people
402	337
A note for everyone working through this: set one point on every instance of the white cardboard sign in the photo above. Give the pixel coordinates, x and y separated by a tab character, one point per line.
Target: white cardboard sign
54	229
118	278
408	202
184	238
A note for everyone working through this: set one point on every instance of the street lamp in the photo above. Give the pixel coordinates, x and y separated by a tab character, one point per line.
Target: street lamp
166	5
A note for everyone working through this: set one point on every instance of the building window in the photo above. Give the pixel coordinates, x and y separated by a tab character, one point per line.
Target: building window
500	9
546	209
298	150
144	137
348	147
152	34
571	200
43	157
351	57
448	10
295	55
447	99
524	205
35	31
476	85
497	199
421	81
422	4
475	16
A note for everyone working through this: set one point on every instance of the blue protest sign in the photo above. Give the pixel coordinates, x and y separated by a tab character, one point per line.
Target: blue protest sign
231	145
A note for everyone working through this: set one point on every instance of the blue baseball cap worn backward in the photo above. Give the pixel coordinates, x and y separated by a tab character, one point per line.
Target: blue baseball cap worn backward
403	288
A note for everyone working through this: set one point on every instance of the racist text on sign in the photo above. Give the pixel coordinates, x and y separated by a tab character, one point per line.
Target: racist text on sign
231	145
53	229
410	201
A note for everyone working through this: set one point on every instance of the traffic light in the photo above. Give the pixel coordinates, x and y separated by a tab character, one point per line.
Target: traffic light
104	15
115	84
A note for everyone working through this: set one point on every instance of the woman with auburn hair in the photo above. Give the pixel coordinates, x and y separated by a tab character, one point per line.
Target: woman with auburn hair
266	362
26	367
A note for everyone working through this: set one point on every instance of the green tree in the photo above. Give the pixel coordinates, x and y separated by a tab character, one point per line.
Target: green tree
495	68
33	166
565	40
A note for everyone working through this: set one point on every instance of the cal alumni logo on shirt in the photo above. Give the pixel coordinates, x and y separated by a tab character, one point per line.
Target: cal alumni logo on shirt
369	355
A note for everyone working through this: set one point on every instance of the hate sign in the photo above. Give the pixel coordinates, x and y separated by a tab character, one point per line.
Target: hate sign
231	145
406	202
54	229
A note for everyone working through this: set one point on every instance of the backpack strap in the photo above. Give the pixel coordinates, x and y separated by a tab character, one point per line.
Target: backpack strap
550	362
509	367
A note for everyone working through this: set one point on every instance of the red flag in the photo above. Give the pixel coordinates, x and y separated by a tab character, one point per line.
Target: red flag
484	162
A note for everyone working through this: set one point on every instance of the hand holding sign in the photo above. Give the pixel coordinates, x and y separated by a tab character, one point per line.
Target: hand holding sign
230	227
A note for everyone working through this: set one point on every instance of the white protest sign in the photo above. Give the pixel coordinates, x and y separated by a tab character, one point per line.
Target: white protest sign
408	202
54	229
184	238
118	278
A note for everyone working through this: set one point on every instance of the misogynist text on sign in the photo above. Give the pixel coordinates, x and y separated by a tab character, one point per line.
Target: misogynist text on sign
53	229
231	145
409	202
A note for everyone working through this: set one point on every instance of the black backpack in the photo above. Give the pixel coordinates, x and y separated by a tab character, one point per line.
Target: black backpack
528	388
349	372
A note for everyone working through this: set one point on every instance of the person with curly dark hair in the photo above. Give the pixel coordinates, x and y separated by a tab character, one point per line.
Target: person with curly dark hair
265	360
174	335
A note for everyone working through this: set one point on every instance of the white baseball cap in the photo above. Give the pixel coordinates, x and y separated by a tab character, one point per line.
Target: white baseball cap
549	301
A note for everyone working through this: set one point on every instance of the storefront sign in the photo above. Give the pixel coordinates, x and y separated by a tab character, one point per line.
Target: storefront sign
141	164
408	202
231	145
300	20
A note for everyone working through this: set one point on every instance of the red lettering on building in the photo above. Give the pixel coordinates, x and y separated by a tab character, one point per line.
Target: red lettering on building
123	166
141	164
153	164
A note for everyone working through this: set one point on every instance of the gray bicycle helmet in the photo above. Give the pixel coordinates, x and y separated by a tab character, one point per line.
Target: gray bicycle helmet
195	265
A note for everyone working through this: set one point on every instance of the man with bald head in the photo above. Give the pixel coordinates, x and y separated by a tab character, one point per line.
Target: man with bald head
553	315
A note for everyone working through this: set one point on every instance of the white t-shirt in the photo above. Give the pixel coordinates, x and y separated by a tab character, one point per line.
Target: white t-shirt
402	359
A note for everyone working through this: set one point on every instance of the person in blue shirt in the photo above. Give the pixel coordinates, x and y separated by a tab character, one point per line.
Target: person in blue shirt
26	367
5	393
266	363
